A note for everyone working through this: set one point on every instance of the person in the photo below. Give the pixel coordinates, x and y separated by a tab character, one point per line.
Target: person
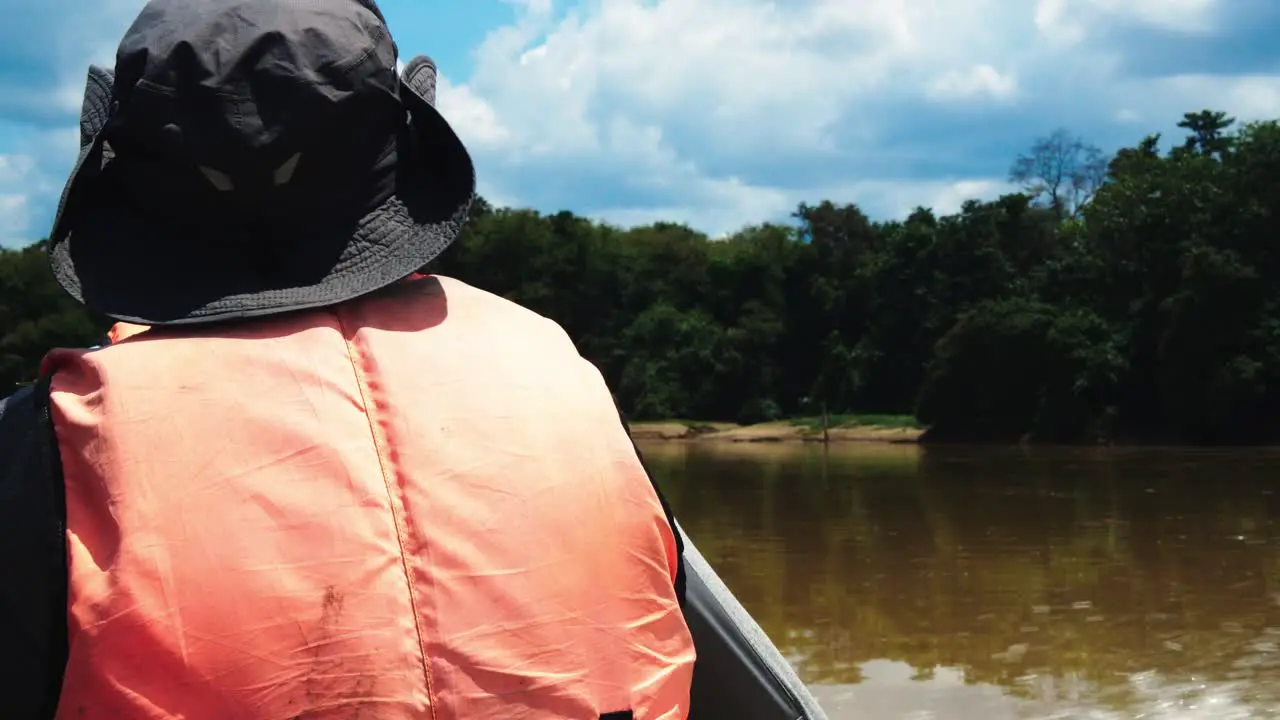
301	478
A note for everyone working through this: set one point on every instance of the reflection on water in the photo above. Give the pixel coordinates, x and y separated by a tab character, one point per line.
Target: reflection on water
1000	583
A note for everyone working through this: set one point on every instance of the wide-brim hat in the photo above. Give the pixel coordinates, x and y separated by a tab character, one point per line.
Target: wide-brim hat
138	239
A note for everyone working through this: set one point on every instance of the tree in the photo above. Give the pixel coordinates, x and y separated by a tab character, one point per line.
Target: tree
1208	132
1146	307
1062	171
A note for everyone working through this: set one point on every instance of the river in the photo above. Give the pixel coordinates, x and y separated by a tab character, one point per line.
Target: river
909	583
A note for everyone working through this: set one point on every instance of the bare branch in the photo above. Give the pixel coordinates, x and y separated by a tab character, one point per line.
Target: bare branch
1061	171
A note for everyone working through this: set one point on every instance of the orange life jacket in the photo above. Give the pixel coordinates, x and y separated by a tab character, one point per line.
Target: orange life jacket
418	504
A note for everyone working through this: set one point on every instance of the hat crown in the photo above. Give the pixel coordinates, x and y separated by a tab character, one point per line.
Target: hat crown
241	87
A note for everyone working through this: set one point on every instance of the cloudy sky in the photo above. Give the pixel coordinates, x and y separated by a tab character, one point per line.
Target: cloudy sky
721	113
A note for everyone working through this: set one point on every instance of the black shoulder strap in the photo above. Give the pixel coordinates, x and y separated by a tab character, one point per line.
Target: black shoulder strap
33	591
666	508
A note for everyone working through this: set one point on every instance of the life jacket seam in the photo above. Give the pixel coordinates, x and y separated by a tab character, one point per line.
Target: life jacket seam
366	401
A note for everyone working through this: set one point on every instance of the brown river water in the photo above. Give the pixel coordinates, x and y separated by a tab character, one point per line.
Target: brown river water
907	583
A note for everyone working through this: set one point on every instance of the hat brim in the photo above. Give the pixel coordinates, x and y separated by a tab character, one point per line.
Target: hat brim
129	265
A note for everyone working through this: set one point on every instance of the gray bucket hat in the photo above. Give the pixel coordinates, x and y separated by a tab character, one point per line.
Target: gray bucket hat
253	157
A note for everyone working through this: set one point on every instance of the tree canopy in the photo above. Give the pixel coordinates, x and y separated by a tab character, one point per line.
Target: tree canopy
1135	297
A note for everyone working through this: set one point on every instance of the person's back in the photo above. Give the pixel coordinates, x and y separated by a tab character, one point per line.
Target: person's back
301	480
415	502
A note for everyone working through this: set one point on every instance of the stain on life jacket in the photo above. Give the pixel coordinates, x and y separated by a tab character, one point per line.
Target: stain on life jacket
418	504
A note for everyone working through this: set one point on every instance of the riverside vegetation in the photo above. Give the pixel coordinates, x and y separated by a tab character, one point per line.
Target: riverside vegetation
1126	298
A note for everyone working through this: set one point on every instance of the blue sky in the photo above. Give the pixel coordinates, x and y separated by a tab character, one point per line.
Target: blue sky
721	113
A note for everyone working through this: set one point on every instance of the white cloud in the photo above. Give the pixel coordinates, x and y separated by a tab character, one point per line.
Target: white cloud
1250	97
900	197
683	102
83	34
976	82
30	180
14	169
1192	16
15	218
1068	22
1128	115
1153	104
723	206
473	119
779	76
651	93
725	112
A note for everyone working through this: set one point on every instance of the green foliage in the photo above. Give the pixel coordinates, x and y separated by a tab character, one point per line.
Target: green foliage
36	315
1131	297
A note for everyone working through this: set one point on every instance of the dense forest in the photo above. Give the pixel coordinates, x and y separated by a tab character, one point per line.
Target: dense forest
1128	298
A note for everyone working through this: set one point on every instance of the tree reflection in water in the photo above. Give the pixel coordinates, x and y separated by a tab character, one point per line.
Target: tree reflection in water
983	583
